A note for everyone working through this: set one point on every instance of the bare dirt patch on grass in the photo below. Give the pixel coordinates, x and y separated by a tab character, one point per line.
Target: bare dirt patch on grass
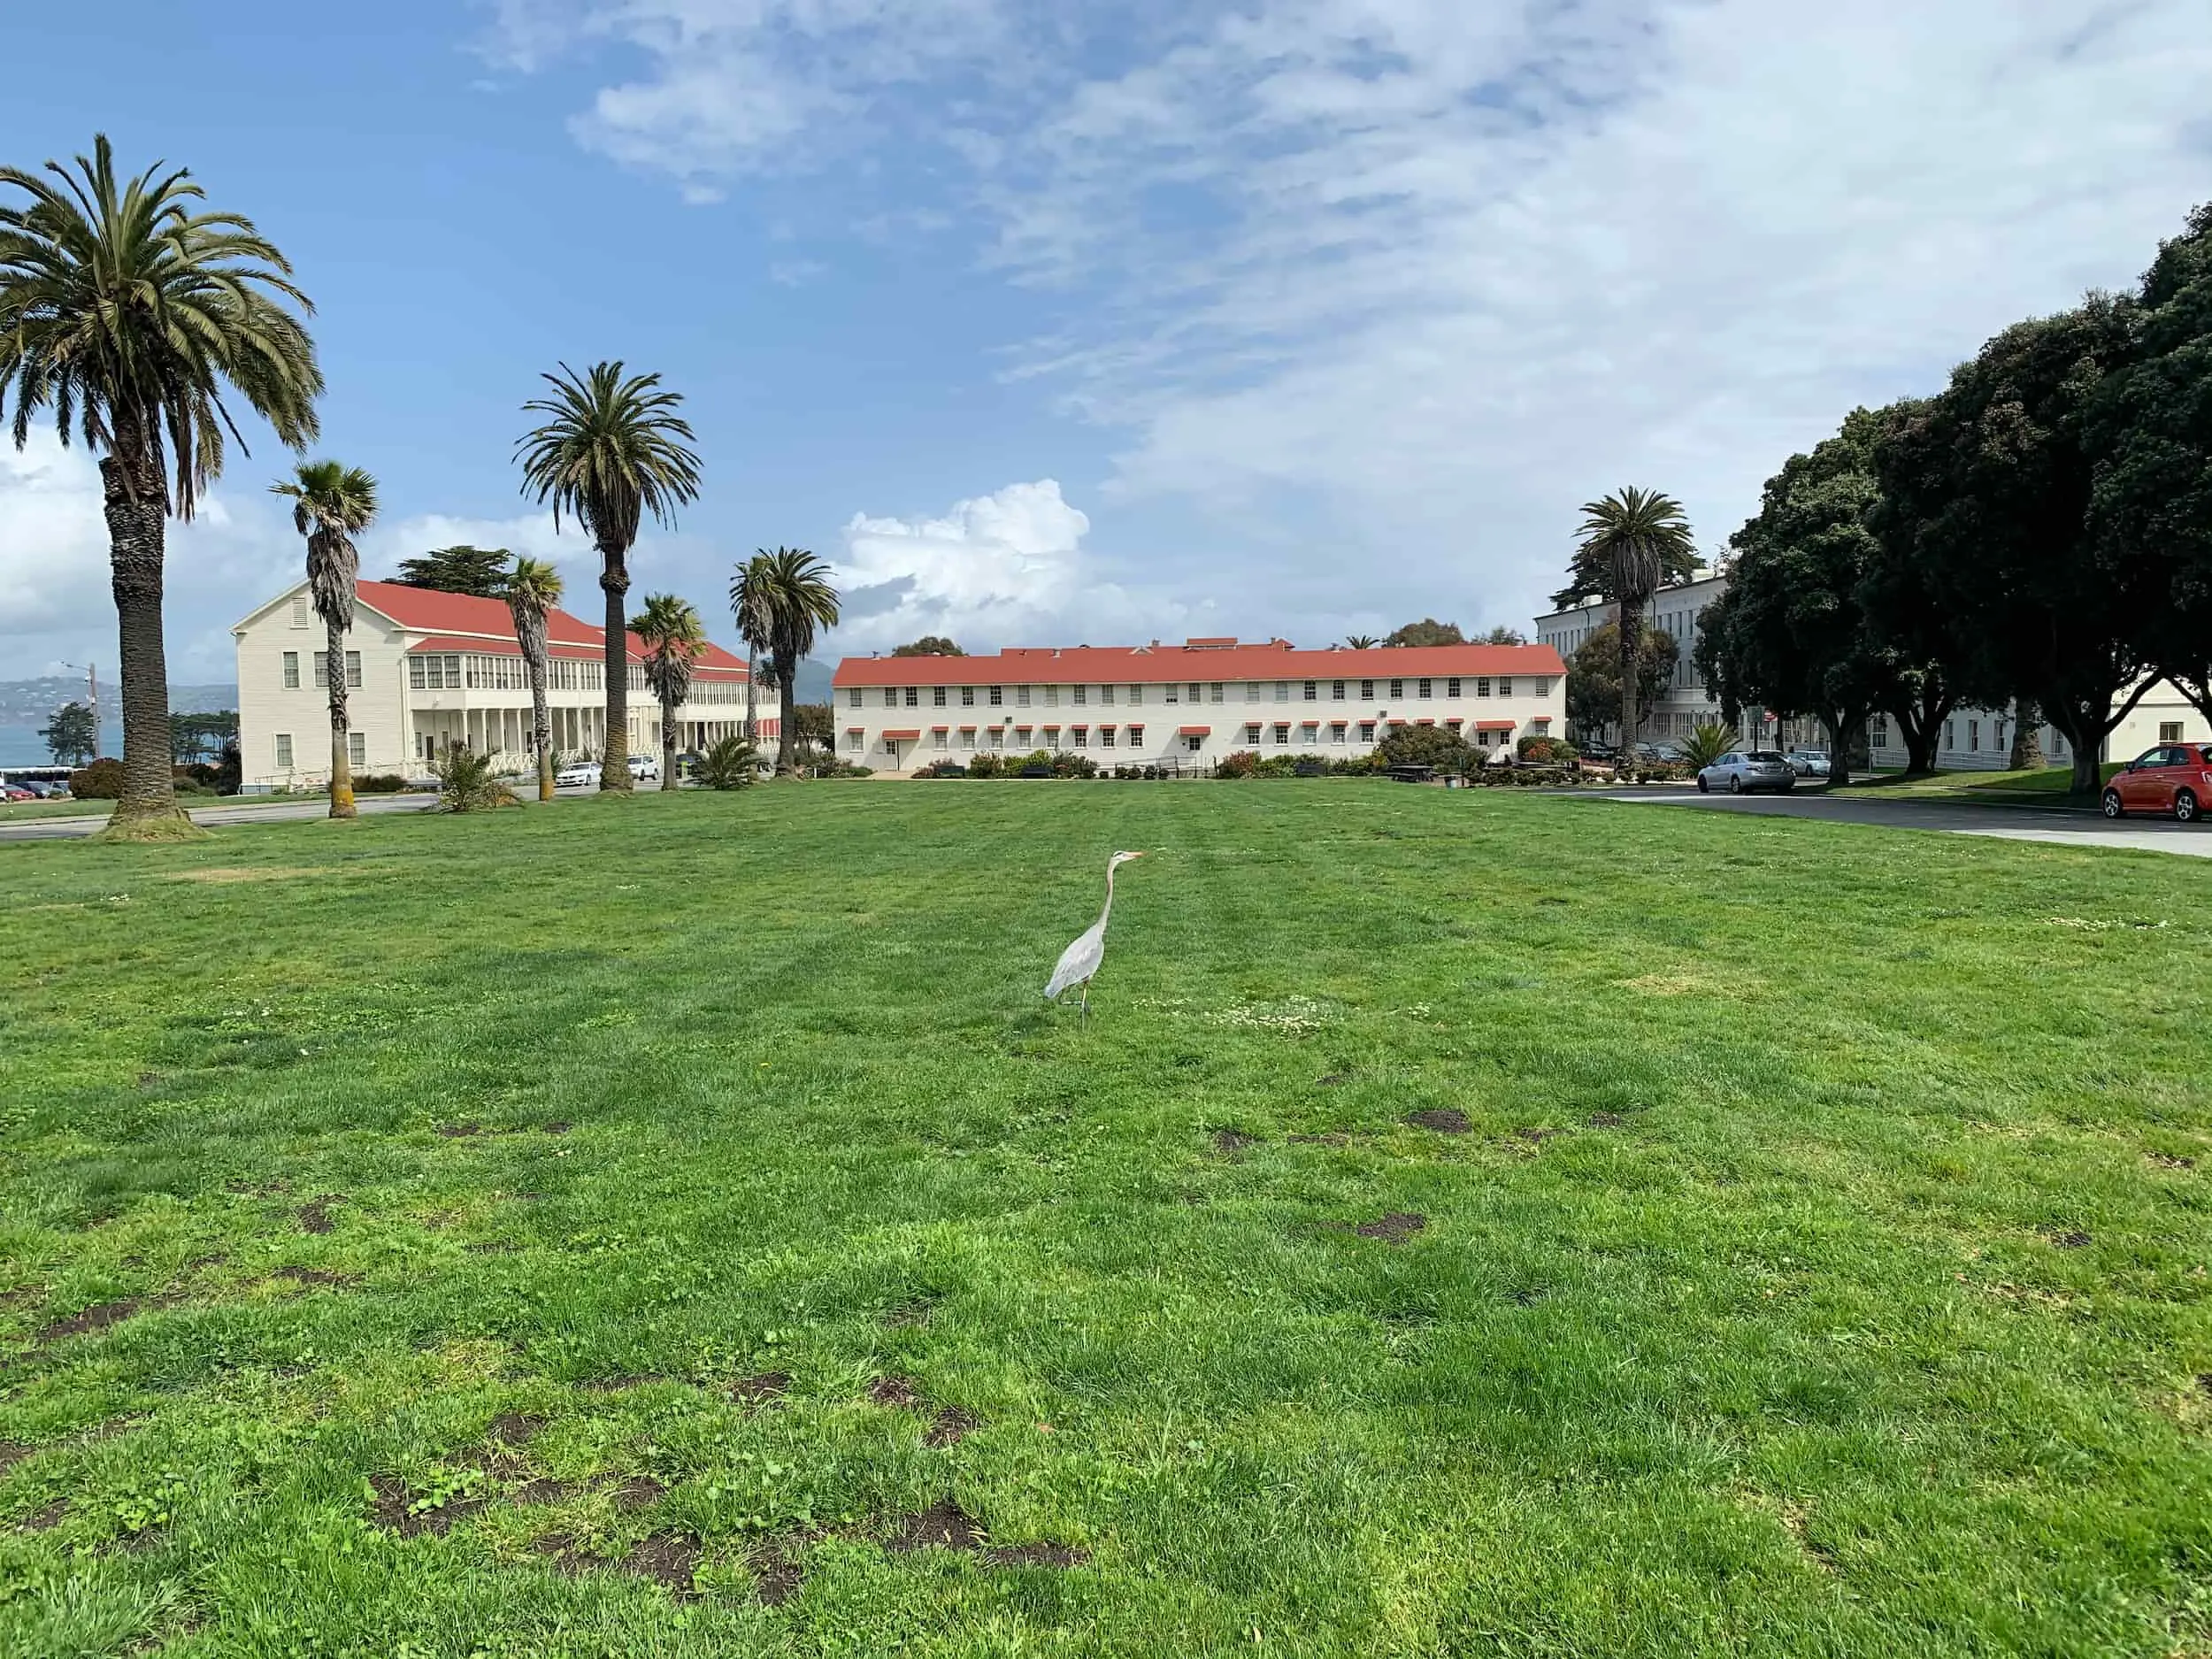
898	1392
1394	1228
1446	1120
1605	1120
1232	1143
946	1525
754	1390
314	1216
398	1508
312	1277
101	1316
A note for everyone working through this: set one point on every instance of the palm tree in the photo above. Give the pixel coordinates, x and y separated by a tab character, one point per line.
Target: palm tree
611	451
531	590
673	641
794	591
748	604
1361	642
1640	535
329	504
127	311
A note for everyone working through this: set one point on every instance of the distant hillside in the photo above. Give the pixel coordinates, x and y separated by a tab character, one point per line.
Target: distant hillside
29	702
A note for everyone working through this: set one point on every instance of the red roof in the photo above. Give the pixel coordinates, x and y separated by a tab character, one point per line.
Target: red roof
1200	660
462	622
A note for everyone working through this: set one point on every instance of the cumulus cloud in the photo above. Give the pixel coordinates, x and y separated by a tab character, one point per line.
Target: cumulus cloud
1389	286
1004	569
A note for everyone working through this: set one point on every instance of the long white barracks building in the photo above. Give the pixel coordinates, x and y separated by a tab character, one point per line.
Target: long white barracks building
427	671
1191	703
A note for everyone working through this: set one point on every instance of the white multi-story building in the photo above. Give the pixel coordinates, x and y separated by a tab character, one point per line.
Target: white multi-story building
427	671
1972	739
1189	704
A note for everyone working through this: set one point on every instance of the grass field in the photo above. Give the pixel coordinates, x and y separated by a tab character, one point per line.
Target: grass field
1468	1224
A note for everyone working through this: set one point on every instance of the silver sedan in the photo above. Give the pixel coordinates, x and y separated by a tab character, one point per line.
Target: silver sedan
1741	771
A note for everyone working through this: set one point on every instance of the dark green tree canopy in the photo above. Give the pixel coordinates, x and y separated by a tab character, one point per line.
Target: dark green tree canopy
1590	577
1427	631
482	572
72	735
1502	635
1593	675
1434	746
928	645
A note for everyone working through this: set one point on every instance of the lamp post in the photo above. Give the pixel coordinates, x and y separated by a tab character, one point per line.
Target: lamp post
92	696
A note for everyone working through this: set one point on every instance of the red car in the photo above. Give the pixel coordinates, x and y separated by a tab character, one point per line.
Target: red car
2174	778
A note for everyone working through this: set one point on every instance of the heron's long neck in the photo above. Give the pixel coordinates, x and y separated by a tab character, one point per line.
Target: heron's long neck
1109	910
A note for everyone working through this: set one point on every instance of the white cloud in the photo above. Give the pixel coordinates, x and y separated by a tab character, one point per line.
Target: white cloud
1004	569
1386	287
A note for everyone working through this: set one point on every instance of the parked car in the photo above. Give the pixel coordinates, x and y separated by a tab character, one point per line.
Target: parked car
1741	771
577	774
644	768
1659	753
2174	778
15	792
1599	751
1807	762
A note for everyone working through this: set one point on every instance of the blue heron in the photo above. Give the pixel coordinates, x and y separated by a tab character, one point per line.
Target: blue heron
1080	959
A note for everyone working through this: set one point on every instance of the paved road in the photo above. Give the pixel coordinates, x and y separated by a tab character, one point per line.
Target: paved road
47	829
2061	827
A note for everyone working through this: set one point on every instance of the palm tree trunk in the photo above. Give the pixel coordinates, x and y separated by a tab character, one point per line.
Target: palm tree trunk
614	759
340	763
668	746
136	510
1632	627
541	726
787	672
752	704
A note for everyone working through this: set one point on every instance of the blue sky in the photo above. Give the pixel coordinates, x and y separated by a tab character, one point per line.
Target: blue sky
1053	323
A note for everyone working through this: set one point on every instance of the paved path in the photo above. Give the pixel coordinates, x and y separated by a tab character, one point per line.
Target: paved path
47	829
2061	826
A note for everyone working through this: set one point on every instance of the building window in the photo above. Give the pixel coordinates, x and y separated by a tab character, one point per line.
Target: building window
357	748
998	696
284	751
937	740
1105	737
322	669
1220	691
1424	687
1081	737
967	740
1482	686
1052	697
1313	691
1174	694
1336	730
299	610
1950	734
1079	695
937	699
1878	737
1282	691
998	737
1251	691
1252	732
913	696
1367	691
1105	694
1192	743
1308	734
856	739
1366	731
1136	737
2170	731
1282	732
1505	687
890	696
1336	691
416	676
1021	697
1397	689
1451	687
292	671
1973	735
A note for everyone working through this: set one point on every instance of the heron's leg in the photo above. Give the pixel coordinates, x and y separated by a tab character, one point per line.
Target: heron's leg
1086	1017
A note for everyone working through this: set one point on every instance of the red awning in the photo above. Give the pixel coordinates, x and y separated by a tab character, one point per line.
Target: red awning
1308	722
1195	731
1455	721
1425	722
967	728
852	729
940	728
1493	726
903	737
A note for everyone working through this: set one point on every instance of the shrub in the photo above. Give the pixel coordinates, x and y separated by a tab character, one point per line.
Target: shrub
102	780
1243	763
1074	767
985	764
1435	746
230	770
732	764
1707	742
942	769
466	782
1539	748
379	783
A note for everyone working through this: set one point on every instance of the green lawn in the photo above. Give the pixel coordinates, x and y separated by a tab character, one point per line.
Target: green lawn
634	1228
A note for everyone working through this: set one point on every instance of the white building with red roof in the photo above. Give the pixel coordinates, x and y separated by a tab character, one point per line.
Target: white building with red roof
1191	703
427	671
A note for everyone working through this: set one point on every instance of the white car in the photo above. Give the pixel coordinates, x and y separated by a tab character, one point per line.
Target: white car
644	768
578	774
